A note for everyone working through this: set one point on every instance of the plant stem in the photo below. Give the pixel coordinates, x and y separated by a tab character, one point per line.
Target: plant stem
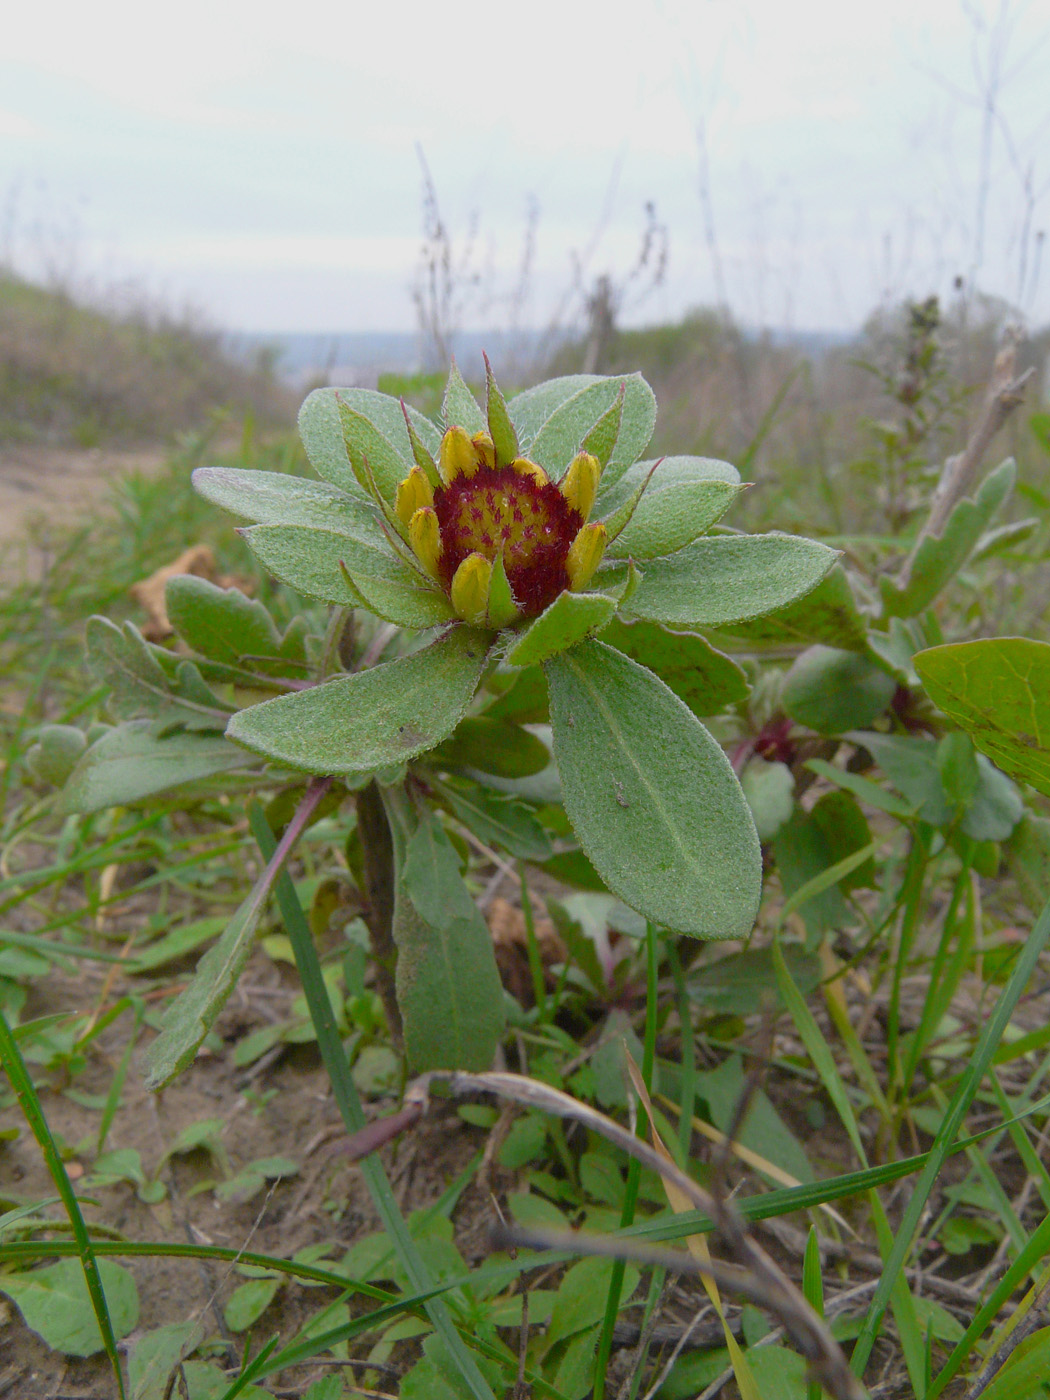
377	849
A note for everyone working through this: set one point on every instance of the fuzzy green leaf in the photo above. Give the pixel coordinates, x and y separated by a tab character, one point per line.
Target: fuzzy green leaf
459	407
373	457
998	690
501	429
122	658
704	678
497	820
570	424
940	557
671	515
652	798
321	429
600	442
448	985
829	614
139	760
832	691
570	618
493	746
54	1301
271	498
221	623
373	718
530	409
724	579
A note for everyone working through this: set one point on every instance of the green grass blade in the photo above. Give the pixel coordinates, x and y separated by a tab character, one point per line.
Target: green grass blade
345	1093
29	1103
960	1102
813	1292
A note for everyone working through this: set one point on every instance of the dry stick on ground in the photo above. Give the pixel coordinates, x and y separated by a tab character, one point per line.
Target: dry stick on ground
753	1275
1005	393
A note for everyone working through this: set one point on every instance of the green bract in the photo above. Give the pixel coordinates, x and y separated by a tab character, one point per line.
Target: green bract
651	798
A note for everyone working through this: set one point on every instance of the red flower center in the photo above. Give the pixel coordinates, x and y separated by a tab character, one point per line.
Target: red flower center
498	509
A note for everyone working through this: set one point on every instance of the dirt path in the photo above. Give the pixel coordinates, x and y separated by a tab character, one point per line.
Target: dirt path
42	484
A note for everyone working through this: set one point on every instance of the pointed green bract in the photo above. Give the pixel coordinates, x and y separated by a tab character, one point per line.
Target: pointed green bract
502	609
724	579
321	429
459	407
371	719
601	441
561	436
670	516
309	561
501	429
570	618
423	459
998	690
373	457
651	796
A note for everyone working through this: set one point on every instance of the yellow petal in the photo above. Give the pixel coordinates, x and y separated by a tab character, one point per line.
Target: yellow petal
456	456
470	588
484	449
524	467
585	554
425	538
579	485
414	491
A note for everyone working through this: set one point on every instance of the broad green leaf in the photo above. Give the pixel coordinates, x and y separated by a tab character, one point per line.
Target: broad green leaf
448	985
459	407
705	679
581	1297
221	623
831	691
828	614
810	843
121	658
570	618
497	820
139	759
154	1354
999	692
564	432
373	718
493	746
652	798
671	515
912	765
271	498
309	560
373	456
724	579
736	985
600	442
248	1301
940	557
1028	857
189	1018
54	1301
321	429
530	409
763	1130
770	792
1025	1373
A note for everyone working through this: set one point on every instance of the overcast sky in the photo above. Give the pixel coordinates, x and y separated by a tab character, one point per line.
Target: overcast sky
809	160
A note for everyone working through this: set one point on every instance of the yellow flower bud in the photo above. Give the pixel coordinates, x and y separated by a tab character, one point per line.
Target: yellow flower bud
524	467
579	485
425	538
414	491
470	588
457	455
585	554
484	449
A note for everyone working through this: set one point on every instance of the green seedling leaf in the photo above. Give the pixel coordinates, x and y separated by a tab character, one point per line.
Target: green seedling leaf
373	718
770	792
54	1301
271	498
121	658
566	429
139	760
763	1130
448	985
724	579
54	756
651	796
248	1302
221	623
313	562
999	692
580	1301
459	407
812	842
570	618
153	1356
940	557
828	614
493	746
706	680
831	691
501	429
321	429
